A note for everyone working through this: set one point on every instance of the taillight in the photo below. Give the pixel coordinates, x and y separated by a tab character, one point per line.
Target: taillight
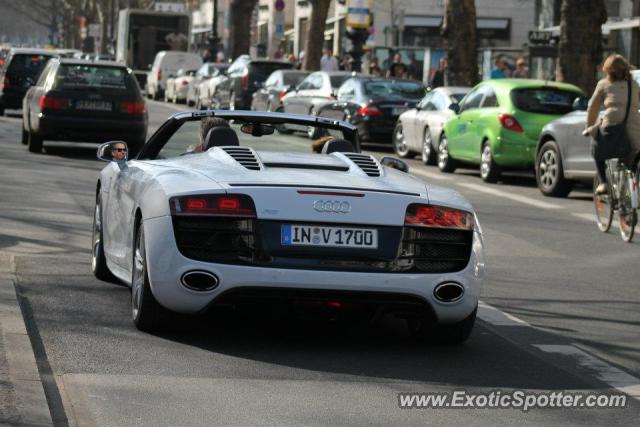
51	103
330	97
231	205
159	75
132	107
509	122
244	81
438	217
282	95
184	83
371	111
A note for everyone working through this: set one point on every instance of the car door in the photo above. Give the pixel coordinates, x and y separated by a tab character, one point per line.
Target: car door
293	101
435	120
315	94
342	108
482	124
575	149
262	95
414	122
461	125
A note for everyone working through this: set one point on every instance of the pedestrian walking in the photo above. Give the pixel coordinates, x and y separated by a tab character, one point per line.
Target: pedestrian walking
610	141
397	69
521	71
328	62
498	72
437	80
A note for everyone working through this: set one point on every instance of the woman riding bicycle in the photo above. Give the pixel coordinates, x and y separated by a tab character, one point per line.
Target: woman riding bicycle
612	91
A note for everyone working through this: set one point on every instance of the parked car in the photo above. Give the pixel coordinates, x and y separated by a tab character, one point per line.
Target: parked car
236	224
178	85
207	92
84	101
20	70
204	73
314	91
269	96
372	104
166	63
498	123
245	76
418	130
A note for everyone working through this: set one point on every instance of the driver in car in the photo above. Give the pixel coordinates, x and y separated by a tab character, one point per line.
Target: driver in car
206	125
119	151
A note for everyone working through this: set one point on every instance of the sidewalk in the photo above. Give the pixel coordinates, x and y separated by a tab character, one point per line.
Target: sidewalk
22	399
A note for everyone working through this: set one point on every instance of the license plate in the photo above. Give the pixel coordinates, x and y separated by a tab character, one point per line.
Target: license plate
93	105
396	111
334	237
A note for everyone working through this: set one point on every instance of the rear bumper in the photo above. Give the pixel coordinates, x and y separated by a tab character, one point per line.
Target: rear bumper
166	266
514	149
84	129
376	128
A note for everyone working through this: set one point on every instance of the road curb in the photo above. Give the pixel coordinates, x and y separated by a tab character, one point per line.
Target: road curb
31	402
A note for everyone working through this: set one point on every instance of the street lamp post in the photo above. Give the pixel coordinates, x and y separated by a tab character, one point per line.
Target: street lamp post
213	38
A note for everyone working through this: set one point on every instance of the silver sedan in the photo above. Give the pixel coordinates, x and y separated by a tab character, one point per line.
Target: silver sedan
419	129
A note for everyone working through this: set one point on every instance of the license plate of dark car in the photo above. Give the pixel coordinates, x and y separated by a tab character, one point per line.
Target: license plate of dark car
93	105
325	236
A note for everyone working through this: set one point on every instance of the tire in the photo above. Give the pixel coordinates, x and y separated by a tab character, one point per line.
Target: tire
445	162
98	260
489	170
429	155
603	207
34	143
282	129
448	334
25	137
399	144
1	111
550	173
627	215
147	314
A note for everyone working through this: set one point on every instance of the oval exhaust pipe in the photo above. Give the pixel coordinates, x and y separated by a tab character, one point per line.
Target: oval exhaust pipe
448	291
199	280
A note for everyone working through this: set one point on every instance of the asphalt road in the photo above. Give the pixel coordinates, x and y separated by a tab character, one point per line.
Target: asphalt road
570	293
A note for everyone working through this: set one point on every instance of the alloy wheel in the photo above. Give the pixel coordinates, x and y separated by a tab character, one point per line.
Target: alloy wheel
548	169
139	273
426	147
485	162
400	144
443	153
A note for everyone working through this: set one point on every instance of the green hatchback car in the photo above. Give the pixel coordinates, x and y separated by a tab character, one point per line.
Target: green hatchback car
498	122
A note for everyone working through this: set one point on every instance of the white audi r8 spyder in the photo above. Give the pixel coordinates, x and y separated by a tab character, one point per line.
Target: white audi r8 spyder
191	224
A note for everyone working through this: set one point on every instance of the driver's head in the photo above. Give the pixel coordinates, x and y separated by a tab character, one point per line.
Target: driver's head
118	151
206	125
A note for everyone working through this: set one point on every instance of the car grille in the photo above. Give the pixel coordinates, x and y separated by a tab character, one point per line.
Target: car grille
237	241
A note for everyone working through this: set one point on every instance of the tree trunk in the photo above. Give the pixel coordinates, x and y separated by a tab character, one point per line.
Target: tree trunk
315	34
580	47
459	31
240	39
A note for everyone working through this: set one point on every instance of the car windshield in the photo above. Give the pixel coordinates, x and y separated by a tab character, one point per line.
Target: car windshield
457	97
544	100
384	88
336	81
81	77
23	65
293	79
189	139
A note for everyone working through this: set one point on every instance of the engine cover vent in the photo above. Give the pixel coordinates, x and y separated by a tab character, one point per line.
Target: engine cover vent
245	156
368	164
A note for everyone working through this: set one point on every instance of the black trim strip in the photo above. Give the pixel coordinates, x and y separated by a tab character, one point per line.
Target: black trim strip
301	187
304	166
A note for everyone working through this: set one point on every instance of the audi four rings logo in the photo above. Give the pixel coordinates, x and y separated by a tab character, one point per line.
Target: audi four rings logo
332	206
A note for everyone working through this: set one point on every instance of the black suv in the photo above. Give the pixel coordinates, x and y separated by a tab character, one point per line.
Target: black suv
20	71
246	76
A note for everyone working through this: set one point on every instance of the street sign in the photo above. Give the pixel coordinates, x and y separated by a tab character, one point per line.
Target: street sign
279	5
359	13
540	37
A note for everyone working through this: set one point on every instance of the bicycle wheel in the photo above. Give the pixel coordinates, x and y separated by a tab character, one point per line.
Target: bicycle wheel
604	207
627	214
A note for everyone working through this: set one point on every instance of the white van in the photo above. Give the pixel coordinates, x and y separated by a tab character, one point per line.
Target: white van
166	63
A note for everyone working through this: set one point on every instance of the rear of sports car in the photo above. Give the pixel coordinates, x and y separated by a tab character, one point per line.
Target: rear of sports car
385	251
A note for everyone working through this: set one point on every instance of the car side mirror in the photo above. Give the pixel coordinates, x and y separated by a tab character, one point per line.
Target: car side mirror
113	151
394	163
581	103
455	108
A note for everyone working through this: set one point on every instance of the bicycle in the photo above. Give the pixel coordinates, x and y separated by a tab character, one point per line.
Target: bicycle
621	196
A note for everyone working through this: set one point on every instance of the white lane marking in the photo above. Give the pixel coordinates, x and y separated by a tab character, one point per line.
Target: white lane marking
429	175
606	373
592	218
496	317
515	197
